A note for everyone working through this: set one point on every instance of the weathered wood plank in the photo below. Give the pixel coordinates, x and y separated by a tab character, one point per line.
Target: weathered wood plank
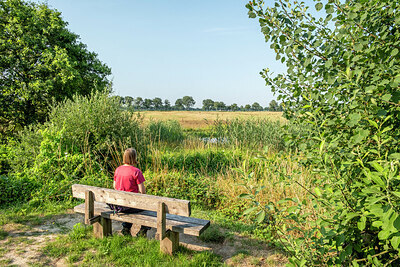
133	200
161	219
94	219
89	208
148	218
170	243
102	228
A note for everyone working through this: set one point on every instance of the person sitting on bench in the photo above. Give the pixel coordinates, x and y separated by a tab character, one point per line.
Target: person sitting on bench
129	178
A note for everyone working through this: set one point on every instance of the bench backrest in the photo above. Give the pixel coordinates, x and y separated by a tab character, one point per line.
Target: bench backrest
133	200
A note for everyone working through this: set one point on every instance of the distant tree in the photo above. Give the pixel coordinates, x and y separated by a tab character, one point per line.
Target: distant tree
256	106
188	102
138	102
41	61
167	104
247	107
208	104
128	101
241	107
147	103
157	103
234	107
179	104
273	105
219	105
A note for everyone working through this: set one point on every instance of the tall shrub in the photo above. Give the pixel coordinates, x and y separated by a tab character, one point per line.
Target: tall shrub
83	141
343	78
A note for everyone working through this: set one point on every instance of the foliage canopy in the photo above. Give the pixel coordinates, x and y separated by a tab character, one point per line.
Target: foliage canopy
41	61
342	80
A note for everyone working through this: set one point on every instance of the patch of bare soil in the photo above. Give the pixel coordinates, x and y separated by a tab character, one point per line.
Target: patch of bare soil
23	245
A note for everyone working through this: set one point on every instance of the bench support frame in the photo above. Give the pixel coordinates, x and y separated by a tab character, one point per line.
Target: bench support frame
169	240
170	243
102	227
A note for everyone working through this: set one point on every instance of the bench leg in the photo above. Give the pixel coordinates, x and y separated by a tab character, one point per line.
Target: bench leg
135	229
170	243
102	228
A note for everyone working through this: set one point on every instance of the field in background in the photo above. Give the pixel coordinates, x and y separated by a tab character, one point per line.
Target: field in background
203	119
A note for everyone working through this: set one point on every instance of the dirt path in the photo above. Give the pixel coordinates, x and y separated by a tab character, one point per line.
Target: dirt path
23	243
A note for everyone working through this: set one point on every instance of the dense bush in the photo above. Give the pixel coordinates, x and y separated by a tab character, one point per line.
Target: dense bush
16	189
82	142
343	78
95	123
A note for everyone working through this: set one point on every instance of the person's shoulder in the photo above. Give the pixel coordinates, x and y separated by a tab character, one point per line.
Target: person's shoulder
135	169
119	167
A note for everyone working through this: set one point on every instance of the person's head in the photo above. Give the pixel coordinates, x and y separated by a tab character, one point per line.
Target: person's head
130	156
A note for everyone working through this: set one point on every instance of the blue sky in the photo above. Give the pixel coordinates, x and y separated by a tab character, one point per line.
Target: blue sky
169	49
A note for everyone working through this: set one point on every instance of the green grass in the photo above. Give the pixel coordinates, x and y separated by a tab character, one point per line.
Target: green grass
80	247
24	213
3	234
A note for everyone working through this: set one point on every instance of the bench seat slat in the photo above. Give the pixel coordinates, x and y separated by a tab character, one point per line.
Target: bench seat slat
176	223
133	200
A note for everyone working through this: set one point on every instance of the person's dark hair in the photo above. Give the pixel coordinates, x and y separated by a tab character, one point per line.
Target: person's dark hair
130	156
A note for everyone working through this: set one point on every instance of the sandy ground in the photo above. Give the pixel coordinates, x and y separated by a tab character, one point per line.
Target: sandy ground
22	246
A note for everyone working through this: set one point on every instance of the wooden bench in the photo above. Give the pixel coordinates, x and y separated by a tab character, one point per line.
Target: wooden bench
170	216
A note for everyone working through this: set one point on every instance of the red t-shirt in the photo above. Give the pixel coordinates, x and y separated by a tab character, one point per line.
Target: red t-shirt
127	178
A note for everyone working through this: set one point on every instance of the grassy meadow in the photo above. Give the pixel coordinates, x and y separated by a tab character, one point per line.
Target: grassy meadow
234	167
204	119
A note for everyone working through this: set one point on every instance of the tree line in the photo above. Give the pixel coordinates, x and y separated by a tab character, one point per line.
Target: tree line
187	103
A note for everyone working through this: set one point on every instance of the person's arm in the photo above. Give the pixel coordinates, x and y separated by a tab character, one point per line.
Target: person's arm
142	189
114	184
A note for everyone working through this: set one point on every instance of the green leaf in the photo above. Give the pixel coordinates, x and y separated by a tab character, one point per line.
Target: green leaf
394	52
249	210
328	63
377	179
361	223
351	215
252	15
376	166
319	6
244	195
386	97
395	241
373	123
317	191
321	146
354	118
384	234
377	224
261	216
394	156
396	222
360	136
